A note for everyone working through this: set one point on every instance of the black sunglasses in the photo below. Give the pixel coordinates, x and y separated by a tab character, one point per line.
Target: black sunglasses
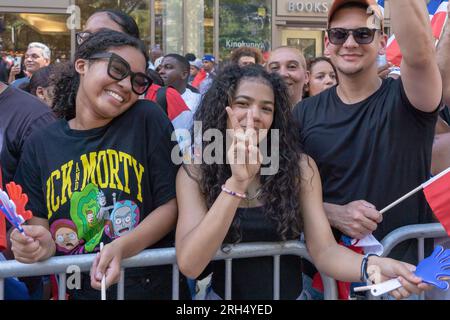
362	35
119	69
82	36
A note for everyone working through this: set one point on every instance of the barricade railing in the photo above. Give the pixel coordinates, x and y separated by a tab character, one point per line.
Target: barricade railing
166	256
156	257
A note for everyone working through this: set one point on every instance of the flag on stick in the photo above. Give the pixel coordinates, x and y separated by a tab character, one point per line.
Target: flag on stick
437	193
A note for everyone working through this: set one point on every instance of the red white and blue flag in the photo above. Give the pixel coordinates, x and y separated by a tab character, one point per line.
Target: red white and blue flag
437	193
437	9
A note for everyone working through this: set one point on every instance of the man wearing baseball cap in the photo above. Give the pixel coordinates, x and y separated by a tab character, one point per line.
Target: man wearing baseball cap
372	138
209	66
196	66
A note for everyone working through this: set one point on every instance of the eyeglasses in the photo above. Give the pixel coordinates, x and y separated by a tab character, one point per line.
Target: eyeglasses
82	36
119	69
363	35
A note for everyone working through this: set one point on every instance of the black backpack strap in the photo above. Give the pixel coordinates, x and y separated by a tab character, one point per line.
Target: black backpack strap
193	89
161	98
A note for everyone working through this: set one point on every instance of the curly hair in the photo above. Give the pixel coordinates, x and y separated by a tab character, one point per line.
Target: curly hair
279	192
67	81
247	52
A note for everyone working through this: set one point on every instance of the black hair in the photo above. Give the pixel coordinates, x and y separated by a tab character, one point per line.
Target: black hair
68	81
279	192
126	22
182	60
156	78
41	78
190	57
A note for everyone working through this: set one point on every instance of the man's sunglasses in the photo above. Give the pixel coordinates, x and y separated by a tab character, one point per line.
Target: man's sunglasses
363	35
119	69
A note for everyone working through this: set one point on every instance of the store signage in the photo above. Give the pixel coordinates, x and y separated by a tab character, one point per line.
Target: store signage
310	7
231	44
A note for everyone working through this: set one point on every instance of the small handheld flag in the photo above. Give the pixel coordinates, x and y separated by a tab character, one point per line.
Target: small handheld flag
437	193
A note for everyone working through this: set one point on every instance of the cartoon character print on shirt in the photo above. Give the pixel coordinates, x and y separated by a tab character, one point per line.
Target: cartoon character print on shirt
65	234
103	213
124	218
84	209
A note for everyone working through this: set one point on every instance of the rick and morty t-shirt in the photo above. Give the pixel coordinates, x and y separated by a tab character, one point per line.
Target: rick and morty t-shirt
97	185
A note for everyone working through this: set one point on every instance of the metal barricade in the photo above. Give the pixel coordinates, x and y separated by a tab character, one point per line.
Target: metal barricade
156	257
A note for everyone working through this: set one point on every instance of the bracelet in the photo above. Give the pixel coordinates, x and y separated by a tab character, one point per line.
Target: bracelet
364	275
234	194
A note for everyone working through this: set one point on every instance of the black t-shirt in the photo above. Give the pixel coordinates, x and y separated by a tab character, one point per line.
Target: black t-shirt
96	185
252	278
445	114
376	150
20	114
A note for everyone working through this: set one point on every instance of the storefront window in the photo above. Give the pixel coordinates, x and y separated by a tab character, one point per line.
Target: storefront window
244	23
19	29
170	14
182	27
199	30
310	42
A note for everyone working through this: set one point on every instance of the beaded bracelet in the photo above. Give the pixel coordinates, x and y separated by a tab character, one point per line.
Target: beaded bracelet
364	274
234	194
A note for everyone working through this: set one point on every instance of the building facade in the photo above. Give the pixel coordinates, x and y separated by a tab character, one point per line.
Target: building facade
181	26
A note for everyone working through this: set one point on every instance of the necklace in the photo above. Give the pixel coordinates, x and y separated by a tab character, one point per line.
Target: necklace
245	203
347	100
250	198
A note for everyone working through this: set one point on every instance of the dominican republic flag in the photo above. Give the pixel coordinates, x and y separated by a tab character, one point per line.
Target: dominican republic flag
437	9
437	193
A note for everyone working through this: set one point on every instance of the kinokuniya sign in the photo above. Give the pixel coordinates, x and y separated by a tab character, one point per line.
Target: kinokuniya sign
305	7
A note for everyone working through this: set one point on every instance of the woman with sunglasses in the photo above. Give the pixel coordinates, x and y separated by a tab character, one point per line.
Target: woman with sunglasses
372	138
104	172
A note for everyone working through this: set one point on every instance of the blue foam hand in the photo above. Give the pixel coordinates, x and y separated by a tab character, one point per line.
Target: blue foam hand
434	267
